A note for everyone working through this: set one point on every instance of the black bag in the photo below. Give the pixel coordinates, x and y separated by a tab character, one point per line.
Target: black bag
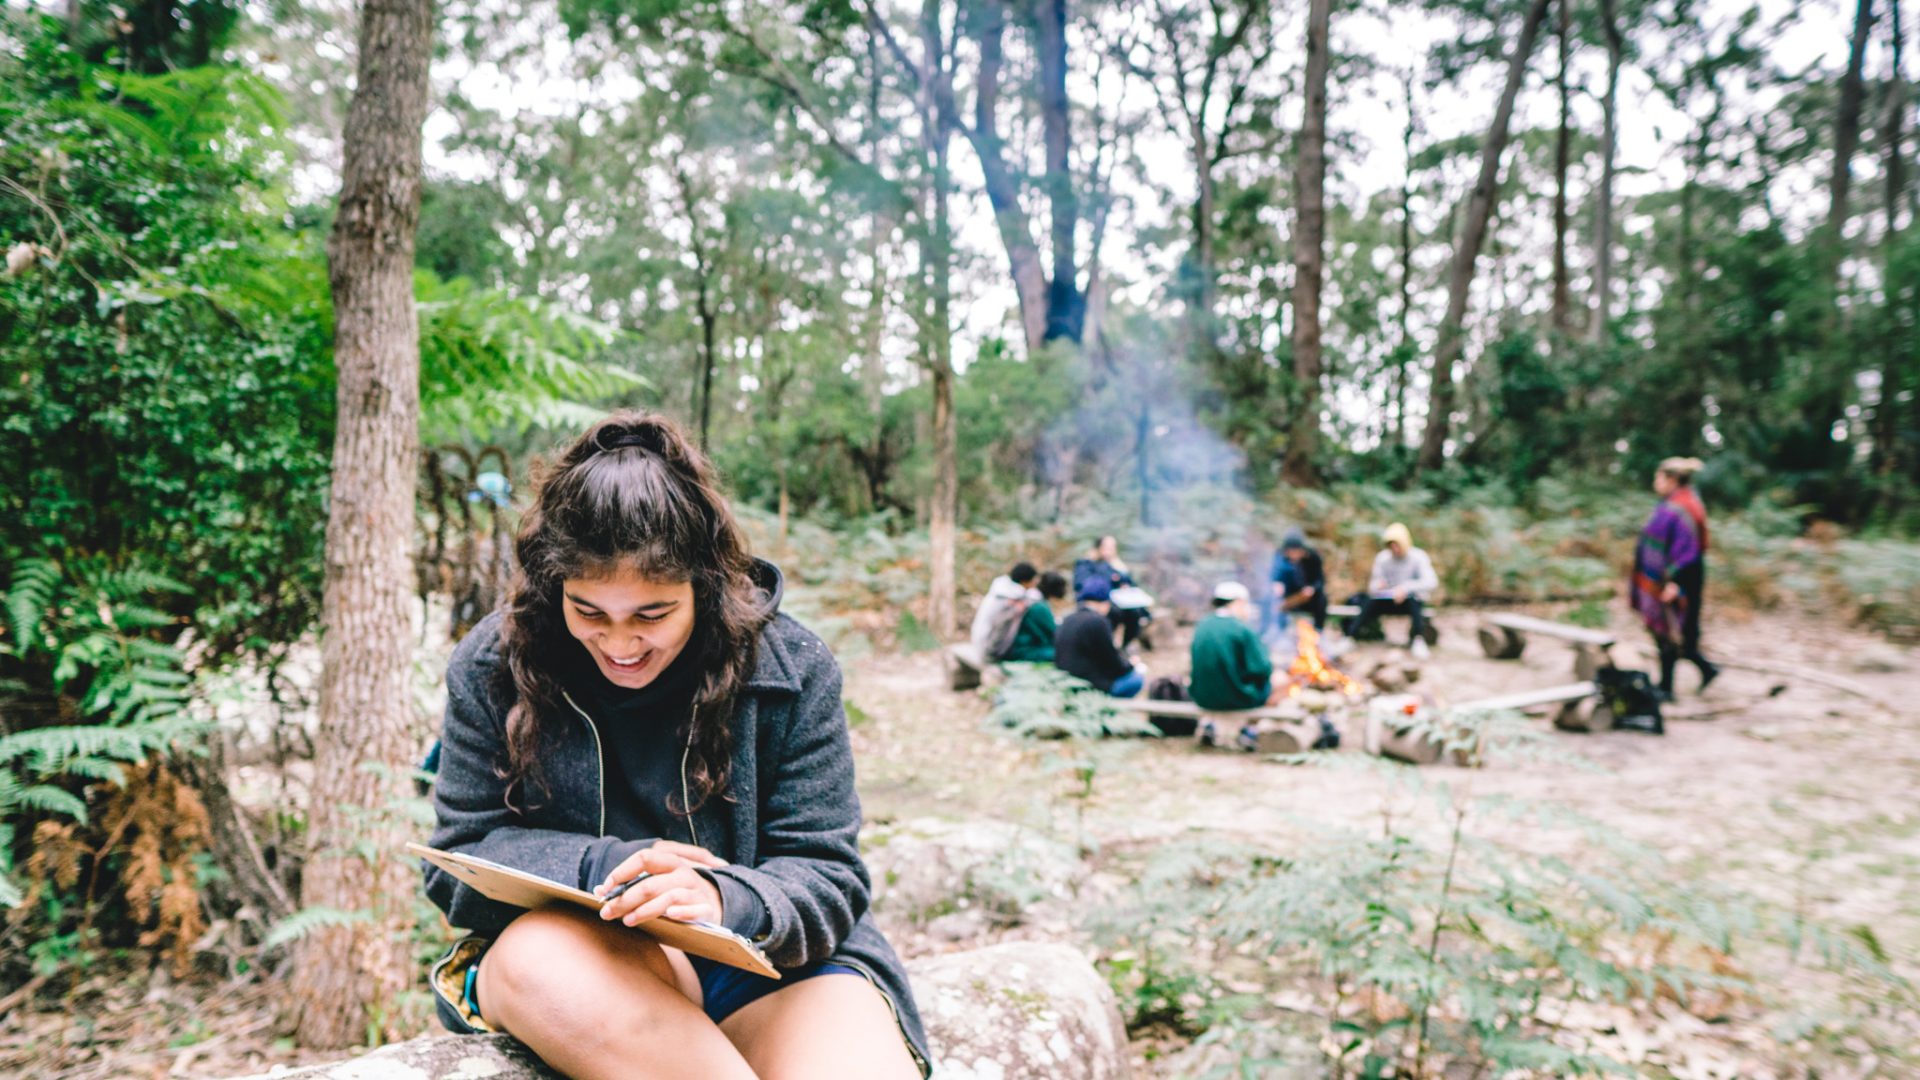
1631	697
1167	688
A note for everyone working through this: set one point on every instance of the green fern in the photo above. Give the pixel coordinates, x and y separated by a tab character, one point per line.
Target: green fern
307	920
1041	701
29	595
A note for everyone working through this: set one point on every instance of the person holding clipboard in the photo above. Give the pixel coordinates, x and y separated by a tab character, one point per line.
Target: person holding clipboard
641	723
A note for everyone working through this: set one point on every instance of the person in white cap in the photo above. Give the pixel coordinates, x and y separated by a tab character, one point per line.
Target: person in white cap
1231	668
1401	583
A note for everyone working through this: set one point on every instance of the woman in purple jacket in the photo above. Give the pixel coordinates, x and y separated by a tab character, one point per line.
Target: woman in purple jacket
1670	572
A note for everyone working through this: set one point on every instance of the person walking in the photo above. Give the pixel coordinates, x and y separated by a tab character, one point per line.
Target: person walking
1668	588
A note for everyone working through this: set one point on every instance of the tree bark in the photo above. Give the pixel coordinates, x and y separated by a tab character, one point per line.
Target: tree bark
946	481
1003	188
1466	252
1846	138
347	978
1609	152
1562	157
1066	310
1310	174
1406	277
1886	427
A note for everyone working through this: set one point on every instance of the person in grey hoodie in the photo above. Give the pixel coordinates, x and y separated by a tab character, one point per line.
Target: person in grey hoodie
641	712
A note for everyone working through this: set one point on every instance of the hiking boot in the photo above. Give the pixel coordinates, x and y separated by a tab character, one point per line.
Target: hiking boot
1708	673
1419	649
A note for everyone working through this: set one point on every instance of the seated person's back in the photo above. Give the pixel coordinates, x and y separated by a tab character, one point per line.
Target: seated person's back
1034	642
1083	646
1231	669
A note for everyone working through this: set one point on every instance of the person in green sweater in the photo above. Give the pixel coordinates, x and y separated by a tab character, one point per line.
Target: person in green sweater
1231	668
1033	642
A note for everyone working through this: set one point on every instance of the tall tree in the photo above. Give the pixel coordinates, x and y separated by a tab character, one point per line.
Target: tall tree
1473	235
1886	426
1609	153
1310	226
348	976
1846	138
937	254
1562	157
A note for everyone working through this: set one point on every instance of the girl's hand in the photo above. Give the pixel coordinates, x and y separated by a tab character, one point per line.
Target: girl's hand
1671	593
680	891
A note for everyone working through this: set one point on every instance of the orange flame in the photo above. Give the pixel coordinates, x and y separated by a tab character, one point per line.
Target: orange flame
1312	669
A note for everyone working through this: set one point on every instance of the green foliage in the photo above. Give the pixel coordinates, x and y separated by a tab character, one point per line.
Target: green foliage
307	920
1042	702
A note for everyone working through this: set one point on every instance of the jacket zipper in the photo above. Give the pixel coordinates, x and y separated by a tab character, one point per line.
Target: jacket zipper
599	759
925	1068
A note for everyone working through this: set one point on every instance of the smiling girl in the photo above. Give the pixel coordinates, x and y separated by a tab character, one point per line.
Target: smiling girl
640	710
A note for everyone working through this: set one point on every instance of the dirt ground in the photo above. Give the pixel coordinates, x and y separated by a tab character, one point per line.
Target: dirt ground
1805	800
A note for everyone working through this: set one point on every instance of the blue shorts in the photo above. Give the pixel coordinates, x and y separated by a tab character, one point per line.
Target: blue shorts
724	990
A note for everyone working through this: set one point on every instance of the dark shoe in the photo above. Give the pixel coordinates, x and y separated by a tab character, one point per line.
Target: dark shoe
1708	673
1663	694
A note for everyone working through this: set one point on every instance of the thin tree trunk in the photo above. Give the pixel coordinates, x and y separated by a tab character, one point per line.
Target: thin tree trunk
1310	174
1002	186
946	480
1846	138
347	978
1406	278
1892	139
1466	253
707	328
1562	157
1603	211
1066	310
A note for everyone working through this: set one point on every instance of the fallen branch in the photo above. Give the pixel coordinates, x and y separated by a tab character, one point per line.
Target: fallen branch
27	990
1710	710
1818	678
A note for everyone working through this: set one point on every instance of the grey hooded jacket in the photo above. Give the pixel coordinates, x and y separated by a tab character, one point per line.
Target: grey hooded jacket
789	828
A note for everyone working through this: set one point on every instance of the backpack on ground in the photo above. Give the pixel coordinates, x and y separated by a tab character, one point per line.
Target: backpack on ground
1167	688
1631	697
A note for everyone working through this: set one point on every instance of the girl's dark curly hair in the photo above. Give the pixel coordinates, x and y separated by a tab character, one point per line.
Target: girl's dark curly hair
633	493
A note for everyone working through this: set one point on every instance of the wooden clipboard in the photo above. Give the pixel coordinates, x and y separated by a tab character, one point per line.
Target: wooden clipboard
521	889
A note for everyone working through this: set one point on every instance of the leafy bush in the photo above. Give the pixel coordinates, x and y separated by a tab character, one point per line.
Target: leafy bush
1041	701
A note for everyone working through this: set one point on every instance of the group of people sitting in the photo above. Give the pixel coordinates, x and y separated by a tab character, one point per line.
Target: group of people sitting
1231	664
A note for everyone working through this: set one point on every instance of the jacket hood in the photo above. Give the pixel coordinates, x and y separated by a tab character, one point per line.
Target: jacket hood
771	582
1003	588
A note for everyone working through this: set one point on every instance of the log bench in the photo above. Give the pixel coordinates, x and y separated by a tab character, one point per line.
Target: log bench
1277	729
967	667
1504	637
1575	706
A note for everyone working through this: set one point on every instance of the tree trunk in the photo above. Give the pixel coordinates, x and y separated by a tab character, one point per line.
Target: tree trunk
1309	176
707	328
1002	186
1066	311
1892	139
1603	210
347	978
1562	157
946	480
1406	278
1846	139
1466	253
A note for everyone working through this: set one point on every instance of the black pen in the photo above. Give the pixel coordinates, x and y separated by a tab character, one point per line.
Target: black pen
620	889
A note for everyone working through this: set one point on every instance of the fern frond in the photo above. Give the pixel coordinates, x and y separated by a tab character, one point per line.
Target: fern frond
307	920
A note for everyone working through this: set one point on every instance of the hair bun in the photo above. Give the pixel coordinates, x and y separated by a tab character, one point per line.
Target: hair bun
646	437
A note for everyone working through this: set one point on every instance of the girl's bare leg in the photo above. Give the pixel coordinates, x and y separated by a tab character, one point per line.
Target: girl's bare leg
830	1027
599	1000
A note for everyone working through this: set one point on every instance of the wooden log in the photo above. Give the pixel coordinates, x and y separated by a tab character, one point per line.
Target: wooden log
1285	736
1532	699
1527	624
1588	714
965	666
1502	643
1402	744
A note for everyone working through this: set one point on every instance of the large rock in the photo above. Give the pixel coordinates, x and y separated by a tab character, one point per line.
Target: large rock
926	869
1015	1011
1020	1010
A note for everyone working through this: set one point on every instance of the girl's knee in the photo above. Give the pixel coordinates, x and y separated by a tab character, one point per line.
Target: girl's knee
560	967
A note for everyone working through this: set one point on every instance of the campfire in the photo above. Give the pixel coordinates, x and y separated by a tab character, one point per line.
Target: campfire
1311	670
